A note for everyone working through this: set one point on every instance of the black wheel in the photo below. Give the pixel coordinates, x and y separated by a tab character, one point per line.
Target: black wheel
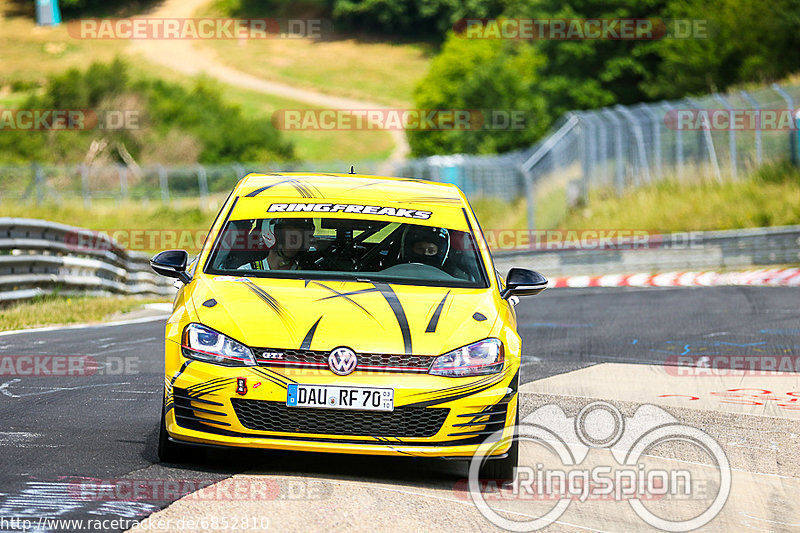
168	451
503	469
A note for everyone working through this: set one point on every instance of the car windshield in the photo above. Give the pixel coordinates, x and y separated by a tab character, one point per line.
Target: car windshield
347	249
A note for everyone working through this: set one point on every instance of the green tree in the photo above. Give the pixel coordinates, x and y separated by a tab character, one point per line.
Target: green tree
481	75
748	41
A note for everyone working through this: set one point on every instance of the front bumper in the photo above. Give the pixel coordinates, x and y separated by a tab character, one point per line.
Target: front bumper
433	417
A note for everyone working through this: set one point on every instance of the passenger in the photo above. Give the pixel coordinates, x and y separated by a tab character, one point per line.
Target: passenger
426	245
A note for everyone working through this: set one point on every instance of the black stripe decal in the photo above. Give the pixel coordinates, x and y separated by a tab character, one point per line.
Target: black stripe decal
479	382
306	345
435	318
304	191
176	376
211	391
346	296
272	303
195	388
369	184
272	375
273	380
450	398
399	313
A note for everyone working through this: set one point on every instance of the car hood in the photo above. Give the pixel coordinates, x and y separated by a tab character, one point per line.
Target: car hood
322	315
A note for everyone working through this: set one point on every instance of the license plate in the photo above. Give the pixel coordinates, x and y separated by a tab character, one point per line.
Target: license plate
338	397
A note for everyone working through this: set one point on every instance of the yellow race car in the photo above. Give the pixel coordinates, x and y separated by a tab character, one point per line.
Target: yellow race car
343	313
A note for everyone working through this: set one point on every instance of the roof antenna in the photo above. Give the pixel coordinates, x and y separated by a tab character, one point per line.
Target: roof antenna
352	169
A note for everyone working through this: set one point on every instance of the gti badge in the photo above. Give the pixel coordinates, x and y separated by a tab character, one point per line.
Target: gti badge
241	386
342	361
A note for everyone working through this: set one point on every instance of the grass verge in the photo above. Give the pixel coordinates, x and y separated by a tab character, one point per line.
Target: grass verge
59	309
770	197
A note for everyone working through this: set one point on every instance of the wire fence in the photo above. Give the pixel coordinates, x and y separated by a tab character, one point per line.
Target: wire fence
717	137
47	183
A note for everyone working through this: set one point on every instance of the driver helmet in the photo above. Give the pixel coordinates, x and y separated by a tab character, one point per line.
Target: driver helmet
425	244
276	235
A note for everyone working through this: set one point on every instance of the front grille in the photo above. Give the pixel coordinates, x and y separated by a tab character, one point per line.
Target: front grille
402	422
366	361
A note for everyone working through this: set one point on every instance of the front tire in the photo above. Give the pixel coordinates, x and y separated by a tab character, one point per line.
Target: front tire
168	451
503	469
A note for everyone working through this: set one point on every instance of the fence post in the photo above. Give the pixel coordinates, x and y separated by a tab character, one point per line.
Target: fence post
709	142
757	129
639	136
38	179
530	193
202	182
790	106
602	145
678	142
122	170
164	182
656	139
85	192
586	130
620	174
731	133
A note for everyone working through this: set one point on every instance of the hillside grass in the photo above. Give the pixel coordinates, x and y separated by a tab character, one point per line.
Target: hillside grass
382	72
31	53
769	197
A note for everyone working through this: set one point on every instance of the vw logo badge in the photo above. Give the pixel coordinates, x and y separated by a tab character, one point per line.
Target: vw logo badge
342	361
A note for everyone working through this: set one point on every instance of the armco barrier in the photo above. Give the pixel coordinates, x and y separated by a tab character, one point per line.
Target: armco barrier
701	250
37	257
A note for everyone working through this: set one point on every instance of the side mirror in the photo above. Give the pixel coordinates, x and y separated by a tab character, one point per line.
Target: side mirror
172	264
522	282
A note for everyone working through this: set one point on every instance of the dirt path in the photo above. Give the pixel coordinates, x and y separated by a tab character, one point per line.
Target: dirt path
182	56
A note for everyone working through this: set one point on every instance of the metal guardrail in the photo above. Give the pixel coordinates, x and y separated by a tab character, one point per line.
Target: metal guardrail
685	251
38	257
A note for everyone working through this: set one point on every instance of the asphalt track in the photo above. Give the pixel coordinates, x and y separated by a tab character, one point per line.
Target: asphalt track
63	438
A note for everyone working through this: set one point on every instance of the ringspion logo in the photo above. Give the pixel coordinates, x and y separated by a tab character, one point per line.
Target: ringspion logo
567	470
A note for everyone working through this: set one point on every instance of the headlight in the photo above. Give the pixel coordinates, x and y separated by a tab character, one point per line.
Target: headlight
205	344
477	359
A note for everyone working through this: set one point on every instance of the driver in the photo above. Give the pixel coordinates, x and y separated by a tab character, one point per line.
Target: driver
426	245
292	239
